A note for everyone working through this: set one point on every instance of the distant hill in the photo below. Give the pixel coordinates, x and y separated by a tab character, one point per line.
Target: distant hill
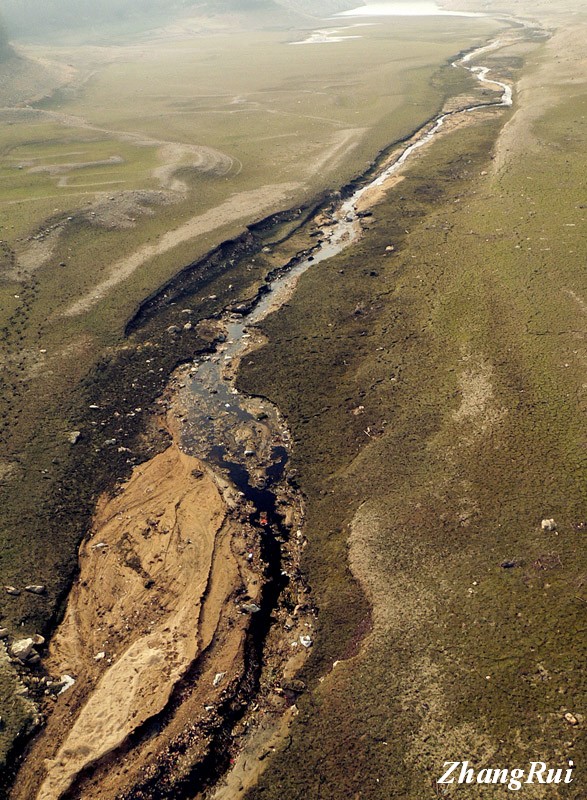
34	18
6	50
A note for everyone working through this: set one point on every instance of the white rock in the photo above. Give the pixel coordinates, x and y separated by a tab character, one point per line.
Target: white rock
548	525
22	648
217	678
66	683
35	589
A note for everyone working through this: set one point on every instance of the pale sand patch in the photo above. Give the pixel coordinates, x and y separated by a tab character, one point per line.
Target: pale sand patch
145	575
252	204
478	405
376	194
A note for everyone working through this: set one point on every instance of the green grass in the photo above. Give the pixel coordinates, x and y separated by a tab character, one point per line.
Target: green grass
445	502
382	85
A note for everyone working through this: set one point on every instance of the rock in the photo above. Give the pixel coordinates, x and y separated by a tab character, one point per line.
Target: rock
251	608
217	678
188	326
36	589
74	436
99	656
12	590
548	525
4	633
571	718
109	442
22	648
38	639
306	641
389	248
173	329
249	452
508	564
66	682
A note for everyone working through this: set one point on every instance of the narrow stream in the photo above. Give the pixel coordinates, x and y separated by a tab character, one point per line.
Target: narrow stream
225	428
245	439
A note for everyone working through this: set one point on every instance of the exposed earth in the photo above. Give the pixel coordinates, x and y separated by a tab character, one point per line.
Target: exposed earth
429	518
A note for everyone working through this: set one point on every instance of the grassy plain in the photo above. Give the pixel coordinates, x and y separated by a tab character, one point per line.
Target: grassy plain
111	164
466	349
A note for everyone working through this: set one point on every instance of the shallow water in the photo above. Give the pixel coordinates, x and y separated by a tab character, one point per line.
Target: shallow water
422	8
226	430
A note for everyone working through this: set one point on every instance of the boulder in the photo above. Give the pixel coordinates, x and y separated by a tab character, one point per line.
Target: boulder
22	648
36	588
73	437
548	525
12	590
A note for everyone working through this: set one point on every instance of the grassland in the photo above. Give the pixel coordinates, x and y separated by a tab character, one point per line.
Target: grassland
112	163
436	396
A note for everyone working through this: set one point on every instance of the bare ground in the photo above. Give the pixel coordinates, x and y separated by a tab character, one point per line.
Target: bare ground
156	576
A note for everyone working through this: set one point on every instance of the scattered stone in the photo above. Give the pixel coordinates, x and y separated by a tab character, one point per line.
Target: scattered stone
571	718
217	678
94	407
251	608
36	589
306	641
173	329
99	656
188	326
66	682
109	442
186	311
389	248
12	590
22	648
548	525
74	436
